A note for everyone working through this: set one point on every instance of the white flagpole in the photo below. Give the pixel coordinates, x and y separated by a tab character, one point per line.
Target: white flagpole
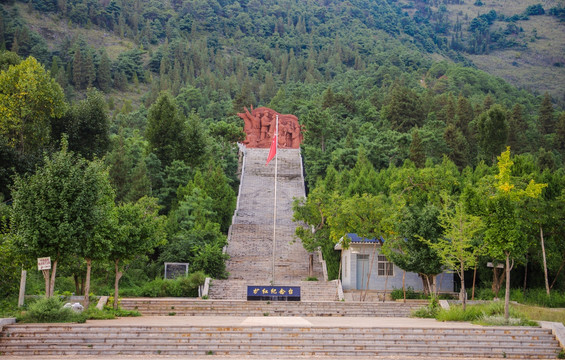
275	208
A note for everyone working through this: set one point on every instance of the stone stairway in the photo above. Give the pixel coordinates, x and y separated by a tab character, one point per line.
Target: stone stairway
250	241
277	341
192	307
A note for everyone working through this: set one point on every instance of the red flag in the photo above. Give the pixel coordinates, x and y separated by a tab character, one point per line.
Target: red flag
273	150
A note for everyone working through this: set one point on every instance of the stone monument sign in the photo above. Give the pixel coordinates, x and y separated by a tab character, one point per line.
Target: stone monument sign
260	127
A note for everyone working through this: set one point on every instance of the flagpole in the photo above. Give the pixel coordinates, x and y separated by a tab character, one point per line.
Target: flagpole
275	208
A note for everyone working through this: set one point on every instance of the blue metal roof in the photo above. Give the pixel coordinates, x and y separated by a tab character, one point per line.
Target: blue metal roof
358	239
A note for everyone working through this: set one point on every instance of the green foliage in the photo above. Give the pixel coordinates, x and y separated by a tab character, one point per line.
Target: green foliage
485	314
29	99
430	311
179	287
398	294
47	310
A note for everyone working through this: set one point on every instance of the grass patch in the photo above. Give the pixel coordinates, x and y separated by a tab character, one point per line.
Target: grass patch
481	314
541	313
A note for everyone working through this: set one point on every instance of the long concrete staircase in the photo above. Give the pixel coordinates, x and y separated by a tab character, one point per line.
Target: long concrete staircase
242	308
227	324
108	342
250	239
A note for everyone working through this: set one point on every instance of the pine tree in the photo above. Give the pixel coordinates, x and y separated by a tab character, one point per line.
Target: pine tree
560	141
488	102
546	120
492	132
79	73
464	115
165	130
517	127
89	70
458	146
104	76
417	154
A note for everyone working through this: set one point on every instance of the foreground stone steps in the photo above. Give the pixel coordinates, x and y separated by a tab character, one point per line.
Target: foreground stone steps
84	339
188	307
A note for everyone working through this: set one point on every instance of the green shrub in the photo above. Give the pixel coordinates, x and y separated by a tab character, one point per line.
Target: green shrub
484	314
47	310
539	297
155	288
398	294
429	311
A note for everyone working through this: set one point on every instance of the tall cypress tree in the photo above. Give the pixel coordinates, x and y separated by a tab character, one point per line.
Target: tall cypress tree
517	127
165	130
417	154
546	120
104	75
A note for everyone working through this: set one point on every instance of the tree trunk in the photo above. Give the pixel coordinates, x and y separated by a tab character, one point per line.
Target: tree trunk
474	281
497	280
118	277
404	284
52	283
425	284
87	284
544	261
558	272
386	283
463	293
46	277
507	295
77	285
525	275
370	270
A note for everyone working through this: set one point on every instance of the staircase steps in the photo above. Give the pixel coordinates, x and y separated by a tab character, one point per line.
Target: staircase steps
270	341
191	307
237	289
250	241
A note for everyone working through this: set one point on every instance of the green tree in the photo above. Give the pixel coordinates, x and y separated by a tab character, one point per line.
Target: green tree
417	154
80	76
492	132
517	128
29	100
166	130
457	247
139	230
104	75
67	199
95	219
404	109
546	119
87	125
504	238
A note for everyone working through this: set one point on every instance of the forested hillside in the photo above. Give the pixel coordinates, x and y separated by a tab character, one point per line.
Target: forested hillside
150	89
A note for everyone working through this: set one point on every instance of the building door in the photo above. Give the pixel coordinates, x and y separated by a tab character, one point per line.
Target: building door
362	271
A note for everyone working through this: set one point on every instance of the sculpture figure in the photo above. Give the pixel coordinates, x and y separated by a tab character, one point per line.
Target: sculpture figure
260	127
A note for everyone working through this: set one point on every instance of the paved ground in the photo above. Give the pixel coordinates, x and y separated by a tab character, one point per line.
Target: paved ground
281	321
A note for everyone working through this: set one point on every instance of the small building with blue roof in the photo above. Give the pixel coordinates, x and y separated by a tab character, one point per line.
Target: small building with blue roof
363	256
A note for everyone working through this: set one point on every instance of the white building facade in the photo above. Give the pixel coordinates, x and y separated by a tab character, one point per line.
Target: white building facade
364	257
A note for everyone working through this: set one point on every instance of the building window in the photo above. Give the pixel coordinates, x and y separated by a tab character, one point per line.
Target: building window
384	267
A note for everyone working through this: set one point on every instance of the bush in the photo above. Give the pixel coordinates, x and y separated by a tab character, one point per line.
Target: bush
47	310
429	311
484	314
539	297
398	294
186	286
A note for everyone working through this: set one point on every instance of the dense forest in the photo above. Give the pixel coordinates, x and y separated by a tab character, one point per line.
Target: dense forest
388	100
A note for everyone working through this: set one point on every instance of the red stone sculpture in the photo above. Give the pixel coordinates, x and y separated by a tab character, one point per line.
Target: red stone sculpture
260	127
